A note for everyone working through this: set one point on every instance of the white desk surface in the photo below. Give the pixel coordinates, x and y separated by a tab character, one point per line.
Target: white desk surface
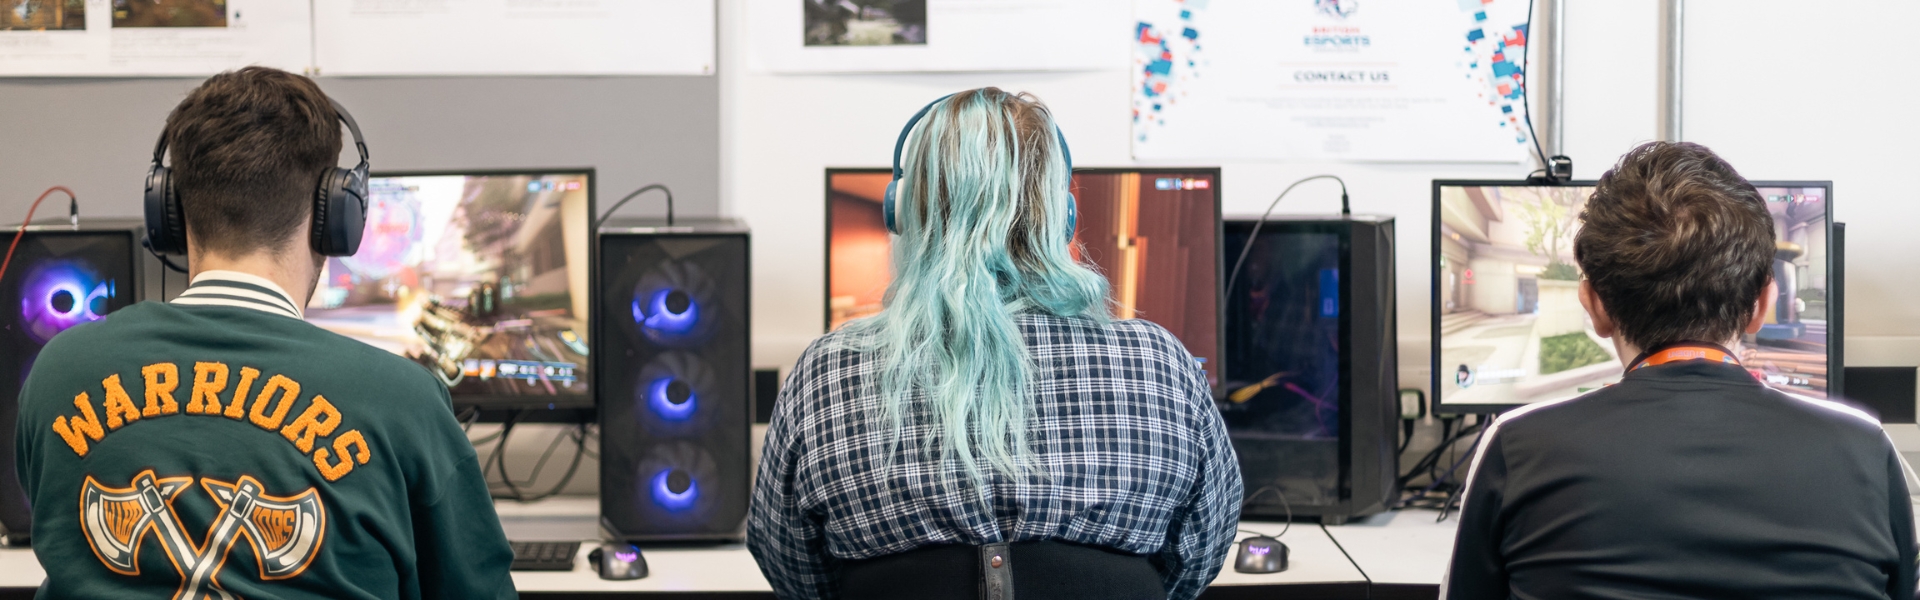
19	569
730	568
1313	558
1402	547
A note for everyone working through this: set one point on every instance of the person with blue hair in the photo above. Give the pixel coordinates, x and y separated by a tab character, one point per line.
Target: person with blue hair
992	428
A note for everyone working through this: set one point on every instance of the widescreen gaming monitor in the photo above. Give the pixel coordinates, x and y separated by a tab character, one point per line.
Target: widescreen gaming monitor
482	278
1155	234
1508	328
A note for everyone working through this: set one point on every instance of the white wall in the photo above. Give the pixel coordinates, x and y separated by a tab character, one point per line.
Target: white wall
779	132
1791	90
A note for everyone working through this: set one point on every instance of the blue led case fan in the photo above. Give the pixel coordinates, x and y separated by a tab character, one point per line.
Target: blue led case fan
673	306
672	367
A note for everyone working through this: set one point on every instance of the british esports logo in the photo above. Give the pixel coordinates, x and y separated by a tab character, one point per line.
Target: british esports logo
1338	9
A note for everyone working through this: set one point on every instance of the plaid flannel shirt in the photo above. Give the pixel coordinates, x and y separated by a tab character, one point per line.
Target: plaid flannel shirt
1131	456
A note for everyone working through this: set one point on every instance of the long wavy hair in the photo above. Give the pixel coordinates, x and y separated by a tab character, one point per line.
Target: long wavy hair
982	213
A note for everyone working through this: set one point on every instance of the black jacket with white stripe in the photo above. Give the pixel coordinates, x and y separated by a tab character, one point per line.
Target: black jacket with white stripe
1685	480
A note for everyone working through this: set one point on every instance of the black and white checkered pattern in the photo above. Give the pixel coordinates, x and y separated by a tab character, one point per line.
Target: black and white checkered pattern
1131	456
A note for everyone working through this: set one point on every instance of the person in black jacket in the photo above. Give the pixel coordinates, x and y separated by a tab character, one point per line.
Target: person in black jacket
1689	478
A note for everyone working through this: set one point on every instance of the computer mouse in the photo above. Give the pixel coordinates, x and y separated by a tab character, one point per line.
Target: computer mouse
614	560
1260	554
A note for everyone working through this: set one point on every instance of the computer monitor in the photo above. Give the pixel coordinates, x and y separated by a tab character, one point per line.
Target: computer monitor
1508	328
1155	234
481	277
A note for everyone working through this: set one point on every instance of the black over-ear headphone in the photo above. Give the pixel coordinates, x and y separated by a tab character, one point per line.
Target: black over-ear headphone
887	207
339	202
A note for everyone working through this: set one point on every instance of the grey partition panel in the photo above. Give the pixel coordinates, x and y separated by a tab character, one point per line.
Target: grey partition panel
97	135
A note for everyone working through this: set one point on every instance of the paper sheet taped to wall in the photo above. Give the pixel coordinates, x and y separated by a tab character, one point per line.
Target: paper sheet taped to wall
151	37
514	37
849	36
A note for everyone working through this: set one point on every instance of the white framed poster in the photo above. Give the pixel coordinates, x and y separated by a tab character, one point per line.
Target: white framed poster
514	37
61	38
851	36
1371	80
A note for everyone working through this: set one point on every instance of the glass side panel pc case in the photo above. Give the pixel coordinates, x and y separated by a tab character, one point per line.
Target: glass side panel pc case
1308	393
59	278
1155	233
1508	328
481	277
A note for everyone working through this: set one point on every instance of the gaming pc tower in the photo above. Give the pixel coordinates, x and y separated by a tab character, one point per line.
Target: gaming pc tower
1309	389
59	277
671	366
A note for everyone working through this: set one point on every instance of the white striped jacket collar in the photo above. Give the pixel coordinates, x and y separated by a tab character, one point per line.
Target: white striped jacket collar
241	290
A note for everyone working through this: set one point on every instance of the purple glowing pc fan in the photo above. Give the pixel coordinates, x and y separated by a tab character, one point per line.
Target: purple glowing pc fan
58	295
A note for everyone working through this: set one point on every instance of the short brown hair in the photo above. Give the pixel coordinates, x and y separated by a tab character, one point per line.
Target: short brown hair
248	149
1677	245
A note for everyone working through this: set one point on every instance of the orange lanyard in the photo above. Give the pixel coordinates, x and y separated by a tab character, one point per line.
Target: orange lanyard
1684	352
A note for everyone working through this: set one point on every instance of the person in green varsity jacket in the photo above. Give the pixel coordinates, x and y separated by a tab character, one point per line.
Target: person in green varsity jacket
218	446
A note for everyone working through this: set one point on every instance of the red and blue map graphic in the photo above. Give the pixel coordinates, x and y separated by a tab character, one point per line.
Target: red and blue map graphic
1154	56
1496	57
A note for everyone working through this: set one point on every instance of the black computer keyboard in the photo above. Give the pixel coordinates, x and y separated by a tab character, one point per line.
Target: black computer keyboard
544	556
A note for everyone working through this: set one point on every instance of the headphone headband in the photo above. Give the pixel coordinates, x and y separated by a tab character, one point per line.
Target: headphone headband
353	127
339	202
899	146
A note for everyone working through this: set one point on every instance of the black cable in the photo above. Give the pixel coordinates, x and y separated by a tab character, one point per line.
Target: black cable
643	189
1428	463
1455	497
593	433
1350	560
1283	503
1234	275
497	457
579	451
540	465
496	461
1526	93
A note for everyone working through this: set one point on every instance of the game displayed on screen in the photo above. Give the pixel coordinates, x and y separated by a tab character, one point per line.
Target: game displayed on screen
480	278
1154	234
1511	328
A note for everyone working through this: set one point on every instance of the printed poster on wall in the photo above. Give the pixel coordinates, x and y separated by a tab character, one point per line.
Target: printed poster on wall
1370	80
151	37
514	37
852	36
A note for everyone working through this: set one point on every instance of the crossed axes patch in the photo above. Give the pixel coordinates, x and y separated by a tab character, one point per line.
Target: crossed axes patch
285	532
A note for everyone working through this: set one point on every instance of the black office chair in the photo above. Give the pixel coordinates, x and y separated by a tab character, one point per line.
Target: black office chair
1026	570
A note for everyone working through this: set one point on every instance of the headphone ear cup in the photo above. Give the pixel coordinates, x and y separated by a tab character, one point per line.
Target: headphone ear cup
1073	217
339	212
166	226
886	207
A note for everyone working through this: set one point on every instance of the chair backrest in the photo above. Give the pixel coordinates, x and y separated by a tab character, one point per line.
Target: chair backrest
1029	570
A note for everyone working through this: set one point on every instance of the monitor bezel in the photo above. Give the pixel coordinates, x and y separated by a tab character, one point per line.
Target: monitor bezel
1435	397
1219	233
492	407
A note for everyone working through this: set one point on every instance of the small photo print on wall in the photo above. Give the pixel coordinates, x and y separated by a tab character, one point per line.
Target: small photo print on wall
865	22
42	15
169	13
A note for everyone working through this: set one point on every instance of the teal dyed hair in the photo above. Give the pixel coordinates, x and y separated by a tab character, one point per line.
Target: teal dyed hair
982	209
